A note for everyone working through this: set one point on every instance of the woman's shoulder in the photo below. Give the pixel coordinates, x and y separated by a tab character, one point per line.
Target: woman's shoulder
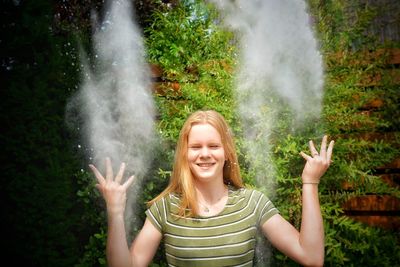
248	191
241	190
168	198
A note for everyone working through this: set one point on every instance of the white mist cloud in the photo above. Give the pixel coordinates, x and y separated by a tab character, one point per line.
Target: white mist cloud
117	102
114	100
278	53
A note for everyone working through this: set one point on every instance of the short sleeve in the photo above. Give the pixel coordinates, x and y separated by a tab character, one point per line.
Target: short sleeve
267	209
153	213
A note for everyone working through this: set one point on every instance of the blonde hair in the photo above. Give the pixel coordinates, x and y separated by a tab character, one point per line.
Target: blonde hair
181	181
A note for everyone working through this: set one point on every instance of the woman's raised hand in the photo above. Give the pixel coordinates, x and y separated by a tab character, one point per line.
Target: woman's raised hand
112	188
317	163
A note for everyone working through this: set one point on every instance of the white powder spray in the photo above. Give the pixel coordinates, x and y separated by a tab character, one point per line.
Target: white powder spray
114	101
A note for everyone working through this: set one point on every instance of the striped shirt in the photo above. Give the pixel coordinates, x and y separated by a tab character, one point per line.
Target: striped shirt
226	239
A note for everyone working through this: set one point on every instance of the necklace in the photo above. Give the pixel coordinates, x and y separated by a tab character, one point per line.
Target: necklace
207	208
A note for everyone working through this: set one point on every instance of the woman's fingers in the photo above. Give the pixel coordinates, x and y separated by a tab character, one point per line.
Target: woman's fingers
329	151
98	175
109	175
322	152
325	152
313	150
118	178
109	170
305	156
129	181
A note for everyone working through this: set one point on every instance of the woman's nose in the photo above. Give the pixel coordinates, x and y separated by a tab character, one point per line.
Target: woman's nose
204	152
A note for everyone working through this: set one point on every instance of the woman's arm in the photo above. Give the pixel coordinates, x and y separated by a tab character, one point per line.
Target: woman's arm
145	245
307	246
118	252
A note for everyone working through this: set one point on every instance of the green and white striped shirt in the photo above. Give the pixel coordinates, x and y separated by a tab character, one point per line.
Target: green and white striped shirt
226	239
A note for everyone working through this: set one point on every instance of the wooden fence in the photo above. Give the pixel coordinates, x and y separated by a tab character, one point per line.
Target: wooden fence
375	210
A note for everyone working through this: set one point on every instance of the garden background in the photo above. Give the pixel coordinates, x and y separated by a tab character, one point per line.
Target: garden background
52	214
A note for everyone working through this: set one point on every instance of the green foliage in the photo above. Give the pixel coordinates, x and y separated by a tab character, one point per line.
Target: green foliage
194	51
345	25
94	215
94	251
182	37
347	242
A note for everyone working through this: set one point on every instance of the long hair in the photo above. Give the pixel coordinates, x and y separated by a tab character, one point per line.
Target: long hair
182	180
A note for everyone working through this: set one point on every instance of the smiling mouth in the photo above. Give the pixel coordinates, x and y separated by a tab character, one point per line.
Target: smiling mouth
205	165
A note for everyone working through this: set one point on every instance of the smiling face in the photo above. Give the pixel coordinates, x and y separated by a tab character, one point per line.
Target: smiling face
206	154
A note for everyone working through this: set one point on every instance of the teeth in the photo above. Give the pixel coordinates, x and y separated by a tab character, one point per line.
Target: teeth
205	164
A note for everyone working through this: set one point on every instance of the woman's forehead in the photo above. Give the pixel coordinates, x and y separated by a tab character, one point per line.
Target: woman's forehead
203	131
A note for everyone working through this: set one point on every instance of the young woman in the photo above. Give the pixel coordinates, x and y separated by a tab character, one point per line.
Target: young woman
205	216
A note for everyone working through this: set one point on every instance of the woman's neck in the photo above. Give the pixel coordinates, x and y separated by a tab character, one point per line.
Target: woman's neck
210	193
